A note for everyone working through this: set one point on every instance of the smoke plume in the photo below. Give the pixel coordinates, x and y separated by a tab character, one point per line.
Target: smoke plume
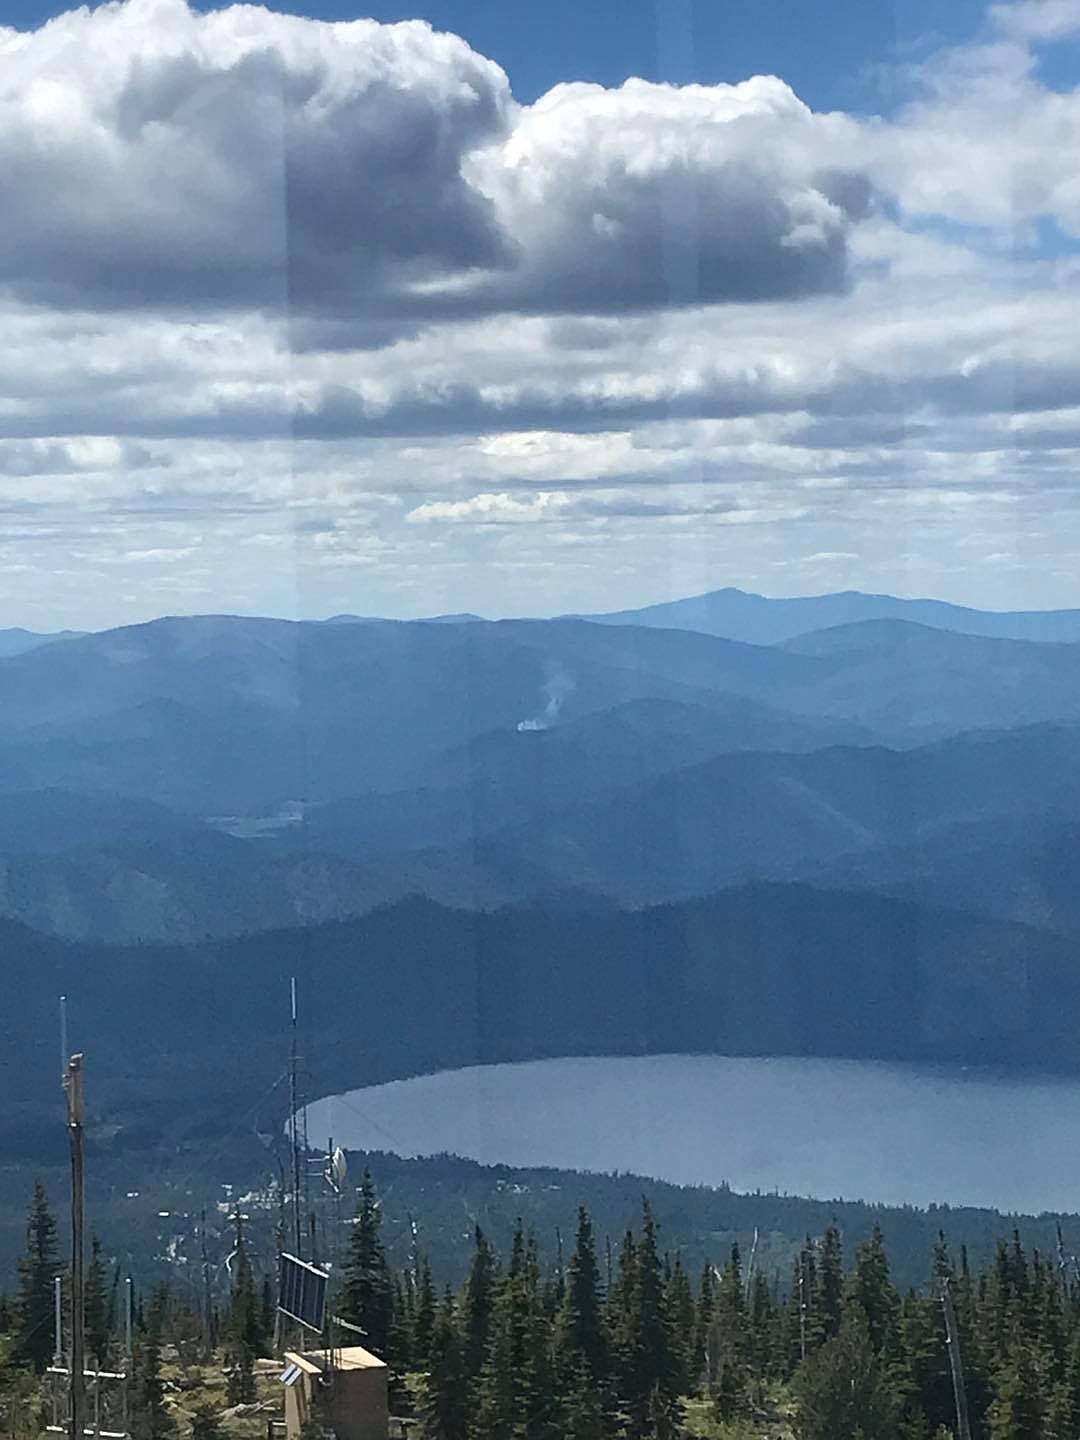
558	686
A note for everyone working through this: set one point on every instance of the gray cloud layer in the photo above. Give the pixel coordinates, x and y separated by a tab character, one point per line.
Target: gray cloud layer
318	318
151	157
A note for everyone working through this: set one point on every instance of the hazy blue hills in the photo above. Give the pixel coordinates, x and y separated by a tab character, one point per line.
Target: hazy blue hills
602	805
18	641
219	714
87	867
481	763
1023	869
763	620
651	800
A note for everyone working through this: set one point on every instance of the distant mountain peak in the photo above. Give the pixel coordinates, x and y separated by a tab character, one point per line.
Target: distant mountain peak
733	614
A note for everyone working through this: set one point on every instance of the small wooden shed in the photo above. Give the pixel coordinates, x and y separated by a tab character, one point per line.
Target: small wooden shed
346	1390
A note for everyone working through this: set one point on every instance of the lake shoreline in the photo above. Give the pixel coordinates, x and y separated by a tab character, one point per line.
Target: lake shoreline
879	1131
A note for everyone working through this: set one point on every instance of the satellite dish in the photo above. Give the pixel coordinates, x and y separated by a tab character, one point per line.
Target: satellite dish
337	1168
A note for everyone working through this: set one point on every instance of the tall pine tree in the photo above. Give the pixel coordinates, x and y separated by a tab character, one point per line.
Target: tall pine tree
96	1307
444	1410
150	1416
581	1336
33	1340
367	1295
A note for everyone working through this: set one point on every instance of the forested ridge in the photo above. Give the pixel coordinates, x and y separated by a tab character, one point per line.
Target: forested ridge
762	969
606	1342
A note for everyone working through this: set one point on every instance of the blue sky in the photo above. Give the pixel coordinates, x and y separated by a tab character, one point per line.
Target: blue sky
304	315
837	54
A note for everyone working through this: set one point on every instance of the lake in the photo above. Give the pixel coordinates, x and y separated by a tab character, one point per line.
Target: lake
832	1129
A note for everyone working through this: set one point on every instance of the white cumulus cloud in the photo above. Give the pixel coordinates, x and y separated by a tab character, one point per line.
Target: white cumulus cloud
151	155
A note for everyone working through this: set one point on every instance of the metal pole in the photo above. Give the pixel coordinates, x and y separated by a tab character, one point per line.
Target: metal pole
293	1136
58	1321
129	1349
956	1364
208	1318
279	1323
802	1307
76	1119
750	1266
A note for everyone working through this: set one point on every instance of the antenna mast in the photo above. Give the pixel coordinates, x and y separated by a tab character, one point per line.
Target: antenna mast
294	1137
76	1118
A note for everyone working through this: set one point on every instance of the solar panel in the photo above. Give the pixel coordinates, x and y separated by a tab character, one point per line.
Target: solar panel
302	1292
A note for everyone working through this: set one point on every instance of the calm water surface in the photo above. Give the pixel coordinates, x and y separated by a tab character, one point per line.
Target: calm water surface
826	1128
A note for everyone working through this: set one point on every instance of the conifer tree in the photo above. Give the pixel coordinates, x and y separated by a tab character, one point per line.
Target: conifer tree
267	1317
495	1411
803	1321
581	1336
242	1327
871	1290
729	1339
650	1366
1019	1407
205	1425
663	1417
683	1314
403	1325
761	1326
424	1327
96	1306
151	1419
842	1391
923	1378
541	1393
479	1303
23	1414
622	1304
33	1340
702	1369
583	1407
508	1387
444	1412
112	1309
829	1282
367	1294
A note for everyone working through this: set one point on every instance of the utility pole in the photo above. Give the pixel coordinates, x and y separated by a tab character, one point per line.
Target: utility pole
956	1364
76	1101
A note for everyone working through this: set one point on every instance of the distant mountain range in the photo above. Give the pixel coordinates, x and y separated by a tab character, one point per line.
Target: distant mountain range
207	777
481	840
18	641
762	620
603	807
219	714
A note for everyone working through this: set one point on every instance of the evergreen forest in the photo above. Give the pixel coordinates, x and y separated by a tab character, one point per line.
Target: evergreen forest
604	1343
